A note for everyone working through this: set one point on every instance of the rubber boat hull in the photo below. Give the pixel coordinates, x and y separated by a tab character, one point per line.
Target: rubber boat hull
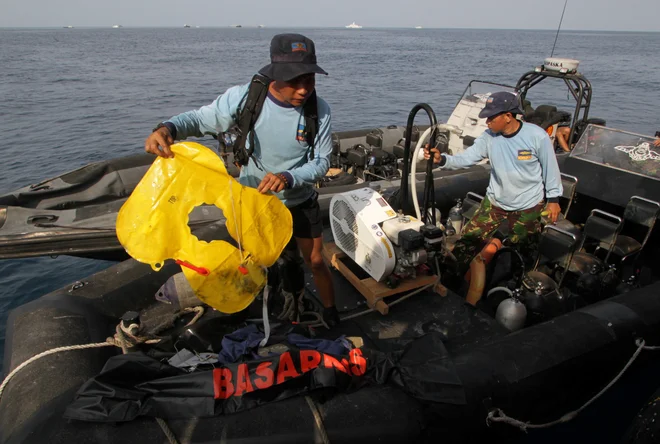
562	362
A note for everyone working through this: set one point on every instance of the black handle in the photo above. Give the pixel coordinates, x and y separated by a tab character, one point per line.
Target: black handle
41	218
406	148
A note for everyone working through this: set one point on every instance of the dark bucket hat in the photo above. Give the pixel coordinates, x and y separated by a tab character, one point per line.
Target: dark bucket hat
501	102
291	55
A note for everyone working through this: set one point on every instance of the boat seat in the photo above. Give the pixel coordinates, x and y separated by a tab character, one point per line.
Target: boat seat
546	116
471	204
625	246
566	225
639	212
569	185
603	228
556	247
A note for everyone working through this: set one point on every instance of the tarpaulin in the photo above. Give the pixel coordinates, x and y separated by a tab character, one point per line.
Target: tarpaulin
134	384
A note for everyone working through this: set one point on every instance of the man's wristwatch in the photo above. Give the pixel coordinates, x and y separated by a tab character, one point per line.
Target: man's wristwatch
283	179
170	128
159	126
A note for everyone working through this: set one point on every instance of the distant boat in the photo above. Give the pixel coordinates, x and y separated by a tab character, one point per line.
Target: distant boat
354	26
260	26
116	26
186	26
418	27
68	27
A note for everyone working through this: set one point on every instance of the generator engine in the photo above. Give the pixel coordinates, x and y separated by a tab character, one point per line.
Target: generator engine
387	245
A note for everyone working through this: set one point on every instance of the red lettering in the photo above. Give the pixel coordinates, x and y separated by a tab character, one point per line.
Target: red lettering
265	372
309	360
222	386
358	365
243	384
329	362
286	368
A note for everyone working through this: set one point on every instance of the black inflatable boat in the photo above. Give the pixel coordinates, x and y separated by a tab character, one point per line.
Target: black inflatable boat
434	368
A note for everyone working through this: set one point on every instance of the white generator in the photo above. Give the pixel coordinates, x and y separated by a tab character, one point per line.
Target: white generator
374	236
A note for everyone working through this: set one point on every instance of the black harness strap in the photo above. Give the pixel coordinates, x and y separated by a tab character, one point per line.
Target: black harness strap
310	110
248	115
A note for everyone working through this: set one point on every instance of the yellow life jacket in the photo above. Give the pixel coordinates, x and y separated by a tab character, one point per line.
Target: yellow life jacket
152	226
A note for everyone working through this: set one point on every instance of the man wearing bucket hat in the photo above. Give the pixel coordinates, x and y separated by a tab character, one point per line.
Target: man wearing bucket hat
281	158
524	176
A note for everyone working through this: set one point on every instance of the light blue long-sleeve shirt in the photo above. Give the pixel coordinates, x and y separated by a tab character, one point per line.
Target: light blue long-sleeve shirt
524	167
280	146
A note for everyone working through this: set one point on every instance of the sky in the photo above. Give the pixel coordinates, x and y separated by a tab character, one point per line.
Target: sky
608	15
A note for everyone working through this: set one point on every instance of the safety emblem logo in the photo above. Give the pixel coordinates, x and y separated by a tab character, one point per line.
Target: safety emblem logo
300	134
640	152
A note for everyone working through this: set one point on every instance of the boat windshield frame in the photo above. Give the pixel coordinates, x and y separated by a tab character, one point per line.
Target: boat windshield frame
467	92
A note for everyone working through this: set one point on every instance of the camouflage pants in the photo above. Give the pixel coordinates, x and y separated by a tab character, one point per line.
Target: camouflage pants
524	227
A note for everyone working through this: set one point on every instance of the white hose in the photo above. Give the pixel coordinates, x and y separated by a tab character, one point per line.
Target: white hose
413	170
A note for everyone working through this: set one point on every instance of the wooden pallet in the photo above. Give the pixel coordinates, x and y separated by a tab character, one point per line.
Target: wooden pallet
375	292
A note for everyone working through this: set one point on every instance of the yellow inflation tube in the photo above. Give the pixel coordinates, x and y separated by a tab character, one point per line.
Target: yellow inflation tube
152	226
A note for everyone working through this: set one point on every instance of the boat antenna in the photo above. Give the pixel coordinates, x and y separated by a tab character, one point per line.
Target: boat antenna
558	28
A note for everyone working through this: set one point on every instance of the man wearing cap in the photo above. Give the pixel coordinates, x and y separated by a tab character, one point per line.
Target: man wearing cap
281	161
524	174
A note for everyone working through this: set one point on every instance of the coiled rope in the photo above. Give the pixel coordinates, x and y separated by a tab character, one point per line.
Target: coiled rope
124	338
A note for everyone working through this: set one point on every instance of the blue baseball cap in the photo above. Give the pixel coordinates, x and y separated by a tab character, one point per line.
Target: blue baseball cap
501	102
291	55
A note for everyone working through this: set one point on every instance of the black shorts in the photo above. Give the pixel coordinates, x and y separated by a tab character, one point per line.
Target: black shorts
307	223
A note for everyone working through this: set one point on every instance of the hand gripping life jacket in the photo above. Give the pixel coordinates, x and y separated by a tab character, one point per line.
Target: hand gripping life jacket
152	226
